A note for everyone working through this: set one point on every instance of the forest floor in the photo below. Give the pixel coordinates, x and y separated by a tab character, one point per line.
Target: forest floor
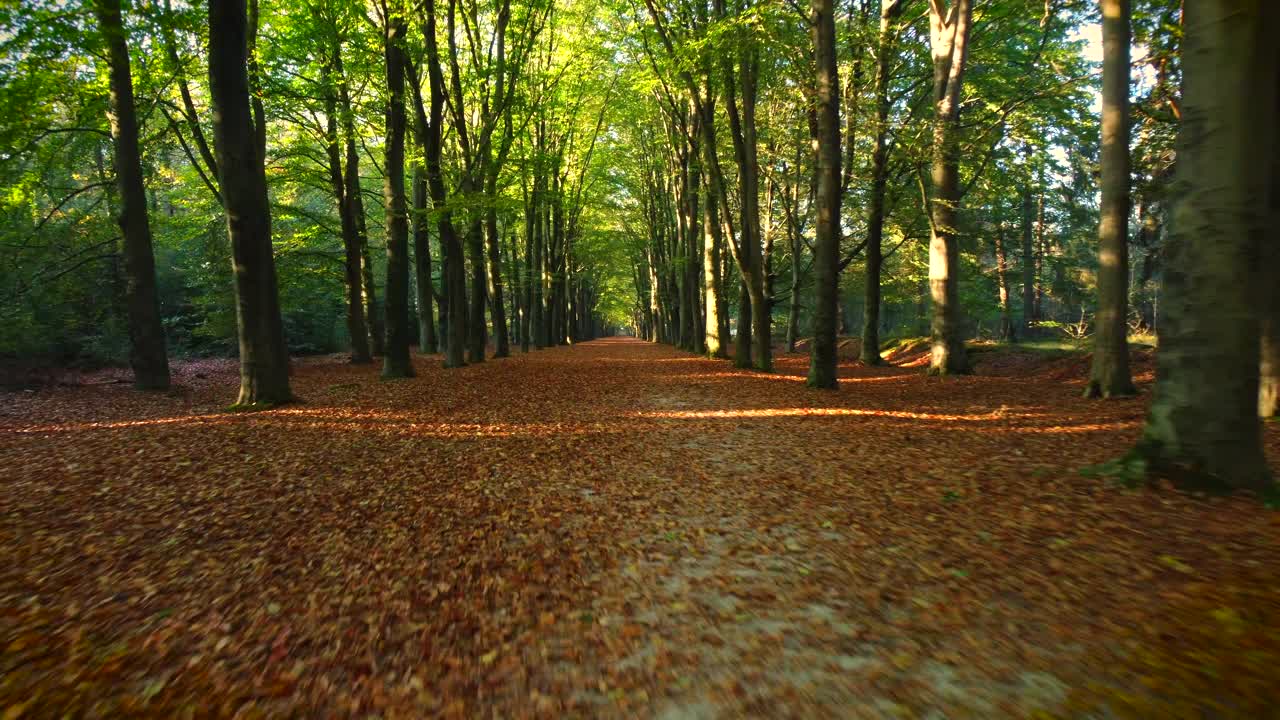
618	529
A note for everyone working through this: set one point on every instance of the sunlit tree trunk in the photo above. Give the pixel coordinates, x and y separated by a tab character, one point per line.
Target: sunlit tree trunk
1269	385
713	240
1037	311
826	260
264	357
1109	376
1202	428
1007	333
949	43
147	353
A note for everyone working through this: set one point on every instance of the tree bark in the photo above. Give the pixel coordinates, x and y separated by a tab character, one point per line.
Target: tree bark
886	48
396	362
1109	376
427	343
1269	370
1007	332
454	280
713	240
502	342
264	357
823	358
1202	428
350	239
147	353
949	44
355	202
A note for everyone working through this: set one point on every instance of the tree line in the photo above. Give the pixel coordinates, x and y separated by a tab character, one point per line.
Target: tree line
950	126
474	176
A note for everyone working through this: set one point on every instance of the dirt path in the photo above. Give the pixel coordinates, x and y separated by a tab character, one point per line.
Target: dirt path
614	529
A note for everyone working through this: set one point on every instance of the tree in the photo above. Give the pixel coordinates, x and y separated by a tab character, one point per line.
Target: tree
1109	376
396	362
890	10
351	241
147	354
949	44
264	357
1202	428
822	357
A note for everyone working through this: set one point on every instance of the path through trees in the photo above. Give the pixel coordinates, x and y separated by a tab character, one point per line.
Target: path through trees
604	530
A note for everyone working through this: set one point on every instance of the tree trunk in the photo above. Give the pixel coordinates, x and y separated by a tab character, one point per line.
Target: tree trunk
427	343
147	353
949	43
1109	376
350	239
264	357
890	10
477	331
502	343
1007	332
355	200
454	279
1269	385
396	362
713	240
823	358
1028	251
1202	428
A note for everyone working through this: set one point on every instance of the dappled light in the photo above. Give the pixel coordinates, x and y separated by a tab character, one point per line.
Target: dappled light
594	508
690	360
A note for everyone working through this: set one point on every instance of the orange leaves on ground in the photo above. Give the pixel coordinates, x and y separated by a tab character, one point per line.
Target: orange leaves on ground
609	529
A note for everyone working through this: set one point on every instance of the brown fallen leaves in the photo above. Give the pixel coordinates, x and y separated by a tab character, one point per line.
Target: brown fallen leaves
611	529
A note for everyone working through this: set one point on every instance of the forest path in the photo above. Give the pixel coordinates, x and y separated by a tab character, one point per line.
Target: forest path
613	529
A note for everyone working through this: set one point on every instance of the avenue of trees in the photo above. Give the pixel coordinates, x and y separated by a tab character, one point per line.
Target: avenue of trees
481	177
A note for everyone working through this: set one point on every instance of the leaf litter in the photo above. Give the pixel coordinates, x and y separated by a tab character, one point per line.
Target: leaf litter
611	530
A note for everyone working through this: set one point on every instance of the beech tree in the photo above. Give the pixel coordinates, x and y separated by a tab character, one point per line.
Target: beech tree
949	43
1202	428
822	357
264	358
147	353
1109	376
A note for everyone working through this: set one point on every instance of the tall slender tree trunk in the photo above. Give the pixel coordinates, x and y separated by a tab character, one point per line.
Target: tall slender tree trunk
1269	380
949	44
264	357
890	10
1202	427
502	342
350	239
1037	312
1007	332
477	330
713	239
355	202
427	342
396	362
1028	251
147	353
1109	376
454	280
826	251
